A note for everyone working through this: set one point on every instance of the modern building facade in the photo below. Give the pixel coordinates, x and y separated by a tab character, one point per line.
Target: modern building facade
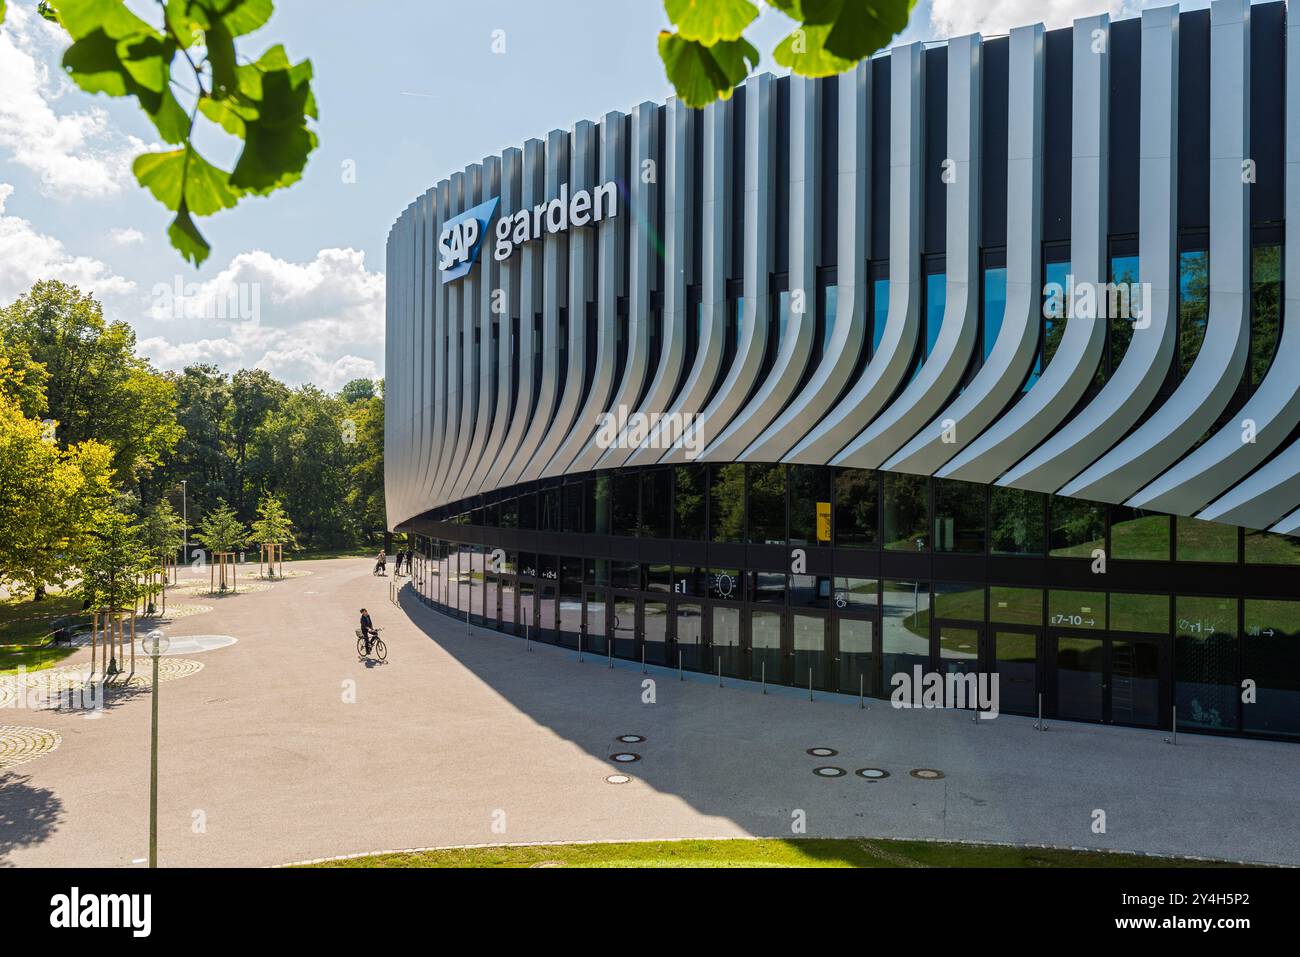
975	358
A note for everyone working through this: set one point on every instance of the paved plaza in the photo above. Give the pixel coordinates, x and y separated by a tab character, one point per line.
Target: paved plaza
281	746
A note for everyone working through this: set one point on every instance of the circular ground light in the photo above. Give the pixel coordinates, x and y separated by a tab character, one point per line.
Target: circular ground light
926	774
822	752
629	739
829	772
624	757
872	774
618	779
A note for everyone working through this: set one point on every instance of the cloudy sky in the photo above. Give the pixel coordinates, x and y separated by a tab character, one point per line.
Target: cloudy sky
408	91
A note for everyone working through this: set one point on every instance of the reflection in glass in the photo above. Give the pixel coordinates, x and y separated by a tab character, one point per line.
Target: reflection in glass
596	640
1079	678
879	312
1016	522
1200	541
623	627
1193	305
1015	658
1139	535
1078	528
810	490
855	508
1269	548
1135	682
691	484
1205	653
690	637
958	517
767	504
725	646
1124	311
809	647
1266	308
857	656
655	626
765	645
907	512
905	620
1015	606
856	593
1271	655
1141	613
726	503
995	305
656	502
1076	609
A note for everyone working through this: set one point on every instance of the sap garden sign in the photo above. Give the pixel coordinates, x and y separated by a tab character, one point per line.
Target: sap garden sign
458	245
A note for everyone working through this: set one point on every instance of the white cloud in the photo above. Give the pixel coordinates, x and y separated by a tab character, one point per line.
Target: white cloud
955	18
126	237
27	255
320	321
76	153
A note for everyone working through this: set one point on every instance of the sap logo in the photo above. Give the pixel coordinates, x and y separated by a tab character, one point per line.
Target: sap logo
461	236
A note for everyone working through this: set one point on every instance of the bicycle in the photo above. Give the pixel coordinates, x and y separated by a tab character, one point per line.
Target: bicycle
376	644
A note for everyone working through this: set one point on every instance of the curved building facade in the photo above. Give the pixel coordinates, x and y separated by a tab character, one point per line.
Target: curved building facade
974	359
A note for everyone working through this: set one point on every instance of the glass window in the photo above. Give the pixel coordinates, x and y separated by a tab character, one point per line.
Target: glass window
1271	658
1193	304
625	487
810	498
995	305
510	513
767	504
830	307
1078	527
594	609
726	503
725	584
958	517
1016	522
689	632
905	621
659	578
1265	308
1139	535
856	593
1144	613
548	501
625	575
691	581
1205	652
1126	309
907	512
571	507
725	645
1055	314
810	591
597	502
768	587
1015	606
879	312
1269	548
1200	541
936	295
952	600
656	502
528	511
690	484
855	508
1076	609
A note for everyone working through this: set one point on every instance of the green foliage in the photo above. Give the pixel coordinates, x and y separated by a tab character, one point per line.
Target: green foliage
708	56
273	526
114	559
357	390
185	65
95	387
221	530
162	530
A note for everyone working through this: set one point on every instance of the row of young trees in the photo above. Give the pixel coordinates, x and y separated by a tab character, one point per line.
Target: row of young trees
100	454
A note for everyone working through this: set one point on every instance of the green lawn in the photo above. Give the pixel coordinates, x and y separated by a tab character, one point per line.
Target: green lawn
23	627
806	852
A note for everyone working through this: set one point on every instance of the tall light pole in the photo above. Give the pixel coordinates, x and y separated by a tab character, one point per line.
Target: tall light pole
185	521
156	644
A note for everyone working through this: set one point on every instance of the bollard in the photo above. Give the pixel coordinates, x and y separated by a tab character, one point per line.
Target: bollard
810	697
763	674
1174	711
579	646
643	659
862	687
609	644
527	646
719	671
680	676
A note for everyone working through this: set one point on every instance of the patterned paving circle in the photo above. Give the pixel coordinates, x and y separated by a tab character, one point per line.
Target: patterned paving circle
829	772
51	682
822	752
192	644
245	586
872	774
182	610
20	745
926	774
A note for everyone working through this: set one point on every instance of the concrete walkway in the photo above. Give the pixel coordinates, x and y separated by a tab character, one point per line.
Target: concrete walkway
285	747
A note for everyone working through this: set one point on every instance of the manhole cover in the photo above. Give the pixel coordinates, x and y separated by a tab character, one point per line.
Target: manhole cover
822	752
618	779
926	774
829	772
624	757
871	774
629	739
20	745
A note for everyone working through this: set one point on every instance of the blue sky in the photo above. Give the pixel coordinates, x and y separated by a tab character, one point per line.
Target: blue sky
408	91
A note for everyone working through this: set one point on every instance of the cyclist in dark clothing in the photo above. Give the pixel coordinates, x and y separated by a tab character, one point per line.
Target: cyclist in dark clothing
367	629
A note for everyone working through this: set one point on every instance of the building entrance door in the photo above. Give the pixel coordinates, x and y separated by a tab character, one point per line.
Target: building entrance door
1112	679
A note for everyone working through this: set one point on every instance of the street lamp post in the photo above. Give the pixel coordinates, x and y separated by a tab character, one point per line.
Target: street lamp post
185	521
156	645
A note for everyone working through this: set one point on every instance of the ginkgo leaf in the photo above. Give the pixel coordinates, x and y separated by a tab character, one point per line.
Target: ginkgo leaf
702	74
709	21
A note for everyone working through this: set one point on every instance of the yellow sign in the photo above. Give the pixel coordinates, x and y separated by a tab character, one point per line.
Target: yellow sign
823	521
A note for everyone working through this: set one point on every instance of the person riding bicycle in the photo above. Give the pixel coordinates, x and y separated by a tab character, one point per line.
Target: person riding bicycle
368	630
381	563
